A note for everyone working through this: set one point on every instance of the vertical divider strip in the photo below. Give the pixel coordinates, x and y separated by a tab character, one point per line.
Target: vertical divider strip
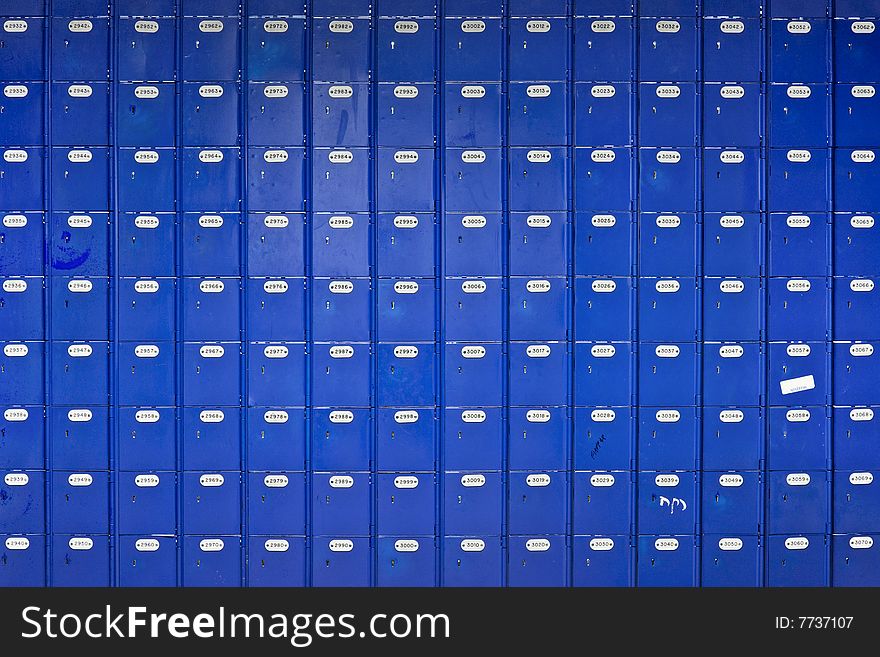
307	261
47	290
439	108
244	353
178	333
113	280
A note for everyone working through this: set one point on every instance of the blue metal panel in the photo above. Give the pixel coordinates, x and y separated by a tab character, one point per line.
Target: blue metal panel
405	504
474	438
667	502
668	244
668	48
473	502
211	501
473	47
80	114
732	308
340	439
731	502
341	561
147	439
22	432
473	114
406	562
668	439
210	439
275	308
209	48
603	503
603	374
406	440
147	561
23	560
854	560
798	502
537	114
276	503
732	560
24	59
797	560
798	50
603	439
211	561
80	560
667	561
150	48
276	438
538	561
473	561
80	438
276	374
341	54
406	374
733	438
473	374
538	438
853	429
24	505
537	502
275	113
21	244
80	48
733	373
603	47
732	114
856	502
667	114
340	375
80	502
341	504
602	561
341	115
277	561
147	503
406	49
276	48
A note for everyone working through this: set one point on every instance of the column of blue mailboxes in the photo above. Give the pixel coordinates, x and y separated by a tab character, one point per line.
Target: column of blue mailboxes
23	75
733	297
604	234
146	294
669	290
798	293
472	452
276	294
78	358
209	275
342	296
856	309
407	420
538	424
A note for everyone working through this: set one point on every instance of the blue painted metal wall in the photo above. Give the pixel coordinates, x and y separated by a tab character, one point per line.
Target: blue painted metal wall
542	293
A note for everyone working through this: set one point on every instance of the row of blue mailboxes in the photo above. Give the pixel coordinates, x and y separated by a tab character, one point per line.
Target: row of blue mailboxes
392	244
476	180
333	375
413	439
350	504
473	49
680	309
484	115
324	8
708	560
